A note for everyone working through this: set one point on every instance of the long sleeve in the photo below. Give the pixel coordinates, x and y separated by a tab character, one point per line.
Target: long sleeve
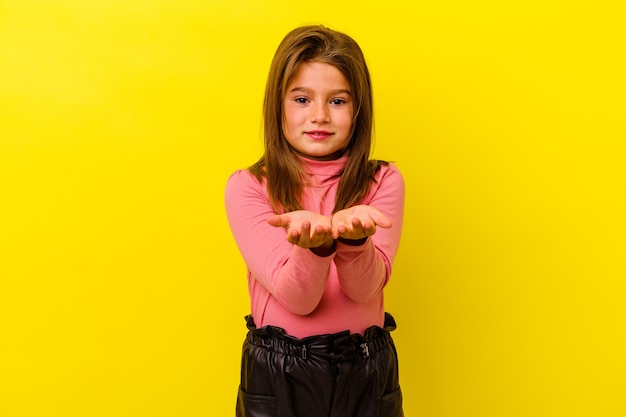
294	276
364	270
297	290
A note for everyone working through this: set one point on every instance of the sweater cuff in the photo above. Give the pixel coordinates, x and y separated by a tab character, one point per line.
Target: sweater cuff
353	242
325	253
354	246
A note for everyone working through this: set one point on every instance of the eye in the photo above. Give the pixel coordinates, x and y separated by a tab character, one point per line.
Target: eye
301	100
338	101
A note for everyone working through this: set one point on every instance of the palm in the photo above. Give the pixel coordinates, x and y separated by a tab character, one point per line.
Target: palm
304	228
358	222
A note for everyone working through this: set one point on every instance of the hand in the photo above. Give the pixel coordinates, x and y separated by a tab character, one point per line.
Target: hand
358	222
304	228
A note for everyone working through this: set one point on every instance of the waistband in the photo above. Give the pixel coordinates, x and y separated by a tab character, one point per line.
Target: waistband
341	346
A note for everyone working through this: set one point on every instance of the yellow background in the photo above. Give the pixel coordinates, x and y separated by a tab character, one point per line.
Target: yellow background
122	292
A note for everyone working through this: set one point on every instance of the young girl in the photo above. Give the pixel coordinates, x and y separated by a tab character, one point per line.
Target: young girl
318	225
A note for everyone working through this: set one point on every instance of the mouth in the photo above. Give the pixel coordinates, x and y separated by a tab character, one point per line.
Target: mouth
318	134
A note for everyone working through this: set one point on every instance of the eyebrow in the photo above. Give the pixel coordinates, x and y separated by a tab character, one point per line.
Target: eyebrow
308	90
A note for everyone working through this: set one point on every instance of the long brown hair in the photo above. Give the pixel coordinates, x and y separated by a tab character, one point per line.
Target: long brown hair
282	167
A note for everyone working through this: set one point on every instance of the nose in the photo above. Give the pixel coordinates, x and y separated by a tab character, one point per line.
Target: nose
319	113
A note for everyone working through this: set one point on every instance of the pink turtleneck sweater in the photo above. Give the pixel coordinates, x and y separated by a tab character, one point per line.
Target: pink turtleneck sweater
293	288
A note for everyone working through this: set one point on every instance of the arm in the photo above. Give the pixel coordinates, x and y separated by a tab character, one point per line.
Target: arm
294	275
364	269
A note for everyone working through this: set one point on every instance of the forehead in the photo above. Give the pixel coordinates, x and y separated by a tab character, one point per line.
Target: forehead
318	76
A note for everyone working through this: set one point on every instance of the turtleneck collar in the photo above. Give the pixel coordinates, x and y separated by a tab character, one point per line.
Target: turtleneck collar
325	172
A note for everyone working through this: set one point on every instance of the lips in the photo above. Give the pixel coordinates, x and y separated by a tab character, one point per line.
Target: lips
318	134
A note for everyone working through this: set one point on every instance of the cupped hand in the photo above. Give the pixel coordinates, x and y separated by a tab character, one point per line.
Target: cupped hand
304	228
358	222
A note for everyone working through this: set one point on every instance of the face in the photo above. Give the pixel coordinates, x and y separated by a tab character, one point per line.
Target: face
318	110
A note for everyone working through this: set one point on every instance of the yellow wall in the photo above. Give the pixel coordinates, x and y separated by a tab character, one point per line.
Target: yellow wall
123	294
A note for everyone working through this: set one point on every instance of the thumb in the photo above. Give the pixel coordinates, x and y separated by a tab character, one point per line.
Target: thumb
381	220
278	220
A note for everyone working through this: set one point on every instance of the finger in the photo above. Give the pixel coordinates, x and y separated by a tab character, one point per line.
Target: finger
279	220
338	230
320	235
369	228
293	236
359	225
305	235
321	229
380	219
321	238
362	228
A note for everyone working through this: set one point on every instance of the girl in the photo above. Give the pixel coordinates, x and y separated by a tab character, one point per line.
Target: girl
318	225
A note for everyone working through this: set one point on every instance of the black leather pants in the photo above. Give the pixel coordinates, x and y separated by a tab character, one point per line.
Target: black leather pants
338	375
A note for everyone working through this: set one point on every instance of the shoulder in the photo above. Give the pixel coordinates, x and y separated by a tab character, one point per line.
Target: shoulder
388	181
242	180
243	177
388	171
